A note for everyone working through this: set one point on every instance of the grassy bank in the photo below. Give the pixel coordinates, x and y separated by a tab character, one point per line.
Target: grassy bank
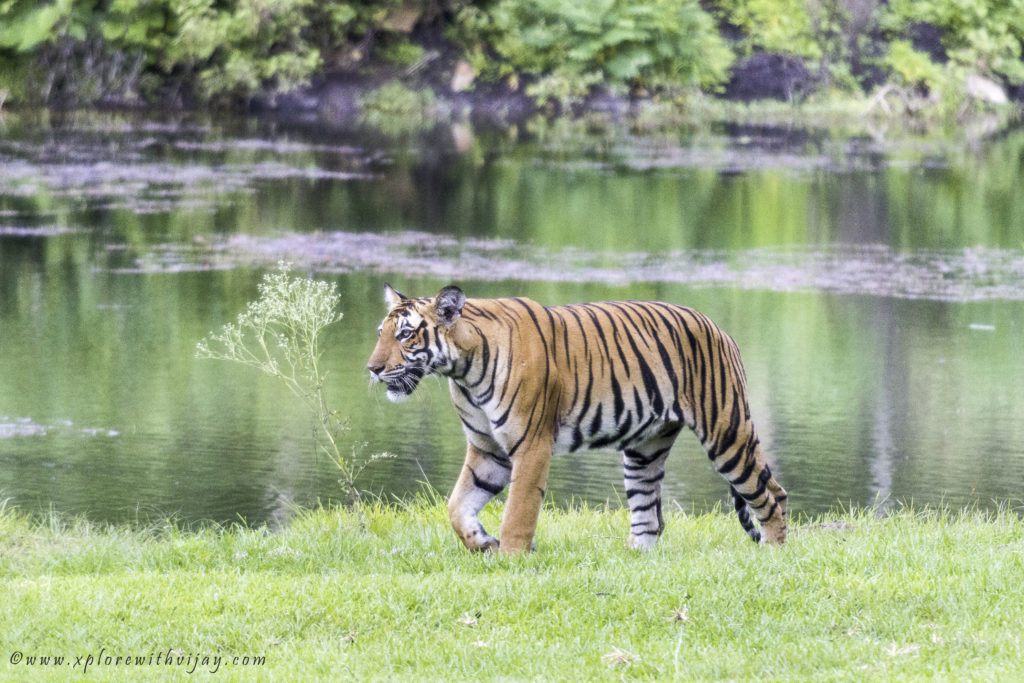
386	593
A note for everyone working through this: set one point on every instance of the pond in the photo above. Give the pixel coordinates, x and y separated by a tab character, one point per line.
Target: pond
876	293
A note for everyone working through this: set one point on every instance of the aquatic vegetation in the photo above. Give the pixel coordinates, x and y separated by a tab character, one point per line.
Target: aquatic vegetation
967	274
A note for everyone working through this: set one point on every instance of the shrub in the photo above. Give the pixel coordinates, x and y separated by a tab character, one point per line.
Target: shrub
984	37
279	334
775	26
224	49
567	46
237	50
835	35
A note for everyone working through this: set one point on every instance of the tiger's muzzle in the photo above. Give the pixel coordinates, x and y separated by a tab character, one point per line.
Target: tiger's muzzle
400	381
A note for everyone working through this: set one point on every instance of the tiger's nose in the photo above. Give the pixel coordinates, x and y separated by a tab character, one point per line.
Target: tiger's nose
374	368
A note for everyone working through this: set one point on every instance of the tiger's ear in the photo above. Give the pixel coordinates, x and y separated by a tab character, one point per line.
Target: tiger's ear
448	305
392	296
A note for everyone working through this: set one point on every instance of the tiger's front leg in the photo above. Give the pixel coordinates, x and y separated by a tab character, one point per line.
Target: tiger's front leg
484	475
525	495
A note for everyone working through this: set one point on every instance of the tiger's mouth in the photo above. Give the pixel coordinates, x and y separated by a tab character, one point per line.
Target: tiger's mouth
401	385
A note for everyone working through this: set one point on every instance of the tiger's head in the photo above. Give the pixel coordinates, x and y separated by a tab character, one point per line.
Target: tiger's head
413	339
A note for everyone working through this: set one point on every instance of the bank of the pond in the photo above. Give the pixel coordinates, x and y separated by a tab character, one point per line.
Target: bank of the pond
406	62
385	592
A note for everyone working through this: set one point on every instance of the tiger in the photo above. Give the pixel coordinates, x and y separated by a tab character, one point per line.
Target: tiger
529	381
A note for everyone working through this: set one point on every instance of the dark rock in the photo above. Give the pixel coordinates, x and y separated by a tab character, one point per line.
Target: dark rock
765	76
928	39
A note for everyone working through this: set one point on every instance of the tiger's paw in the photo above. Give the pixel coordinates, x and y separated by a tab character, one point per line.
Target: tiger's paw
481	542
773	532
642	541
517	548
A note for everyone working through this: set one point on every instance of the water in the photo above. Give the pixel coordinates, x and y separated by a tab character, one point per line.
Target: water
876	294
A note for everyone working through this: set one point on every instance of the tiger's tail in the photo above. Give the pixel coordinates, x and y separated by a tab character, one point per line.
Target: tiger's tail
743	512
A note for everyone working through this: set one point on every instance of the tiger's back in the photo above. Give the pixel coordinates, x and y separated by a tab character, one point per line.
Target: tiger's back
528	381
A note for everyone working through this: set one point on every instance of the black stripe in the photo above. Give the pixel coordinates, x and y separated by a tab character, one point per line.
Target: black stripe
504	416
595	423
485	359
638	432
529	421
571	310
618	406
472	428
740	480
615	337
643	459
649	506
493	489
650	382
577	433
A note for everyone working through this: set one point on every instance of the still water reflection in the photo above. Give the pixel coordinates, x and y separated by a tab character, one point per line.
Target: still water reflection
877	297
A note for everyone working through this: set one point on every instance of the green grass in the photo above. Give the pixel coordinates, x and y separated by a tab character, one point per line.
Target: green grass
386	593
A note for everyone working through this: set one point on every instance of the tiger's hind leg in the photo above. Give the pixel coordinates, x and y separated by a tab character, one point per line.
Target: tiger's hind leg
742	462
643	469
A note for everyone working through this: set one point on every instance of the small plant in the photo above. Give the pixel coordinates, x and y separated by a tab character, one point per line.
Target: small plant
396	109
279	334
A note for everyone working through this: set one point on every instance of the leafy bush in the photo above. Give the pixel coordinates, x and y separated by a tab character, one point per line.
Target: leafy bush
777	26
568	46
913	67
223	48
835	35
985	37
241	48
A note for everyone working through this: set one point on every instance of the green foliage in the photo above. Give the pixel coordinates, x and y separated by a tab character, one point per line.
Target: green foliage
567	46
238	49
279	335
401	52
222	49
983	37
138	23
779	26
833	34
233	50
913	67
26	24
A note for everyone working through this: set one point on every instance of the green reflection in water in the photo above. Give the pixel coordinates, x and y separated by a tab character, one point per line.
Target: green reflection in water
104	410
